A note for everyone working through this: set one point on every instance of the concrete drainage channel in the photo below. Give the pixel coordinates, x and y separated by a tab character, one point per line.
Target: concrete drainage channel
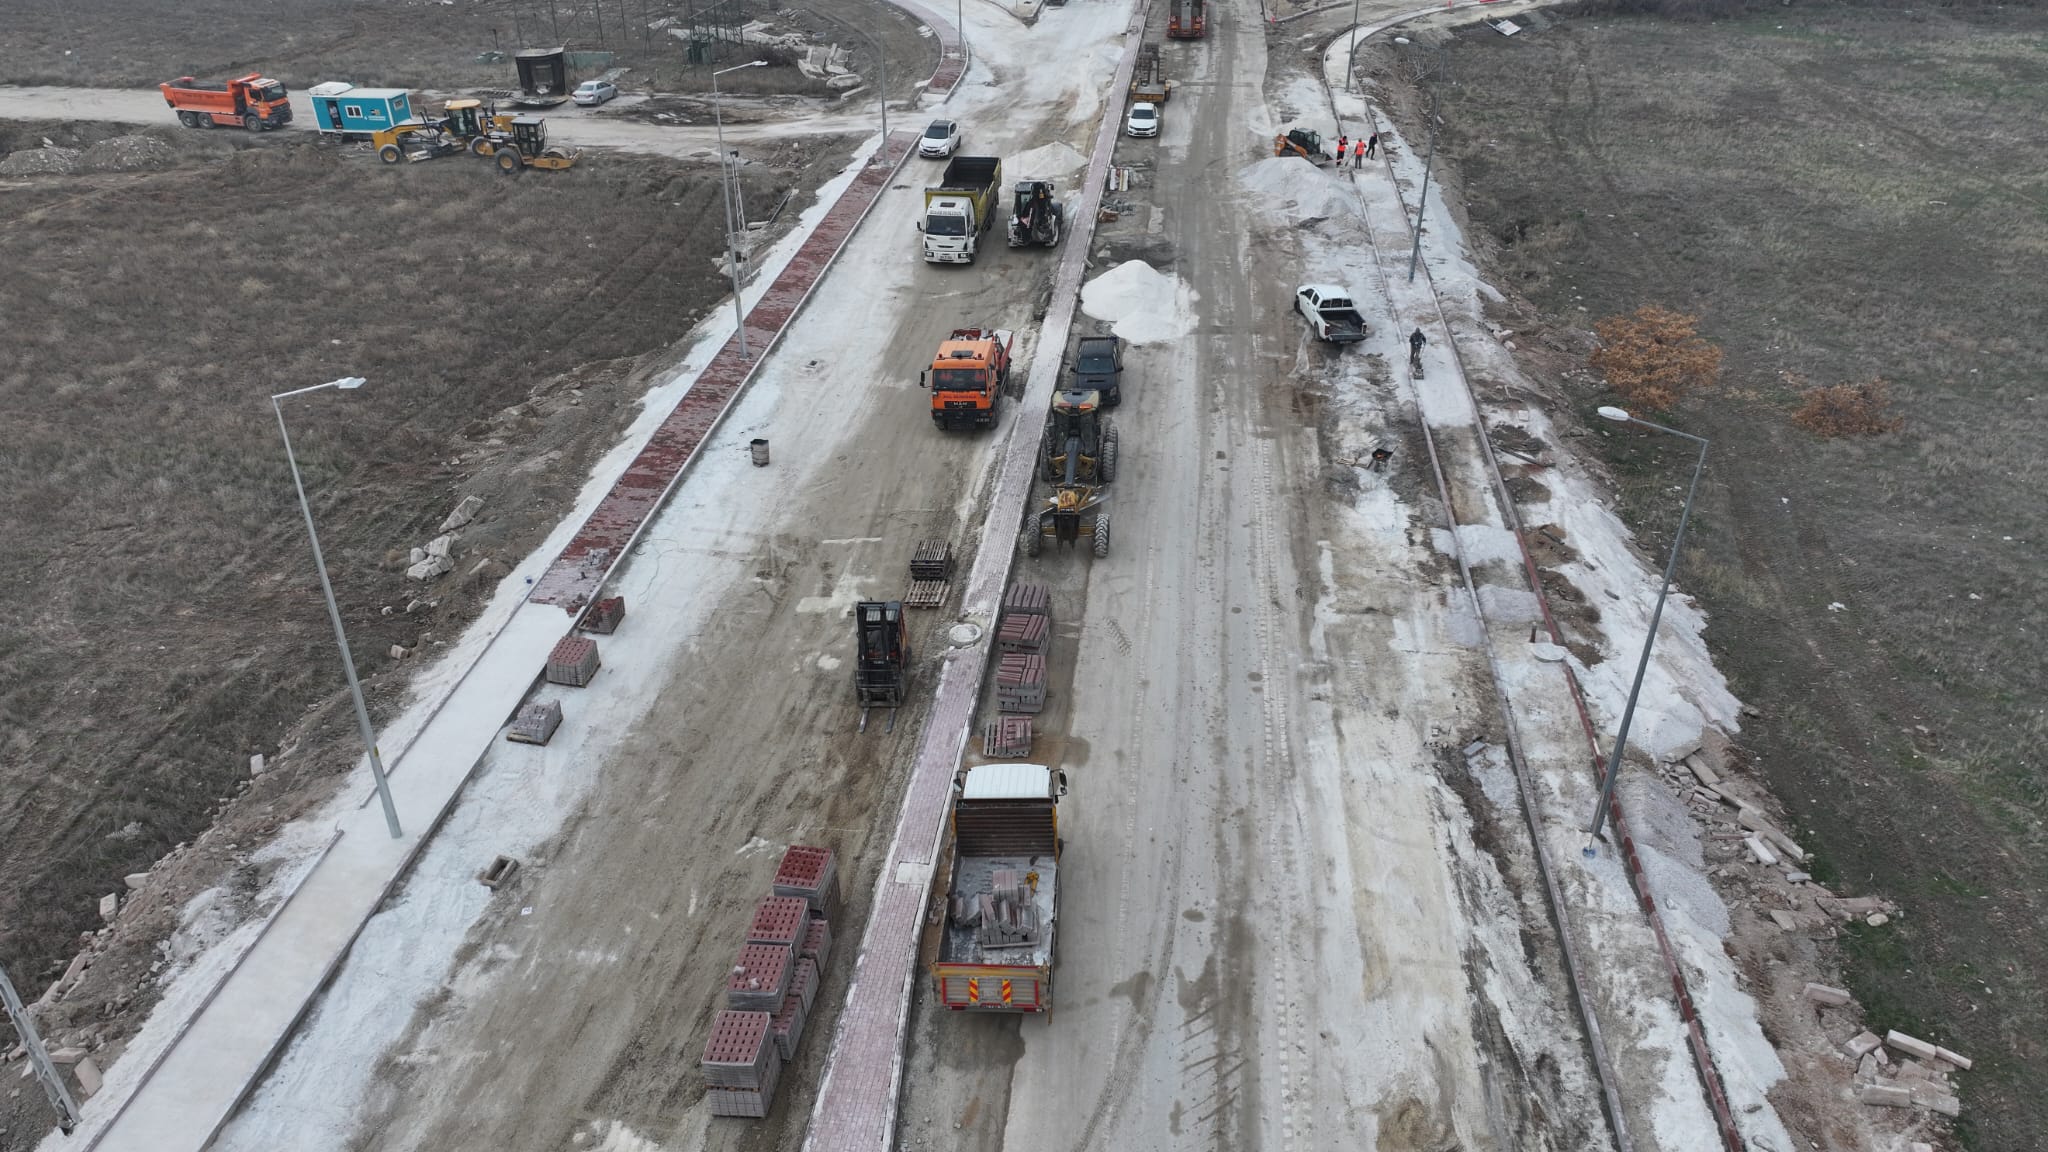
857	1100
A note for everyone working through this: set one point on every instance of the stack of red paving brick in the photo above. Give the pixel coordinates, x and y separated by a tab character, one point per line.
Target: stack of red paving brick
773	985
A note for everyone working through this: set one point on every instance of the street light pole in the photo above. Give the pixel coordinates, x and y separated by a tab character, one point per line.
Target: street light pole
1351	57
1422	203
1628	711
725	193
348	662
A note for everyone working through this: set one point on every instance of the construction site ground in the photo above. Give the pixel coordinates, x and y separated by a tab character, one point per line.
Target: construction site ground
1839	216
162	614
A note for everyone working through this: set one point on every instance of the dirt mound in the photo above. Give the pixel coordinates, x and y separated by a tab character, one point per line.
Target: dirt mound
50	161
128	154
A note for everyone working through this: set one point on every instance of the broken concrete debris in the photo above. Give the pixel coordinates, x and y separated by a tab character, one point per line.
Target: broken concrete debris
1822	994
463	514
110	906
430	568
1911	1045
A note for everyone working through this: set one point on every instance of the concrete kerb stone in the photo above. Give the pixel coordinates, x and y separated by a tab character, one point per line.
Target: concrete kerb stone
394	762
845	1117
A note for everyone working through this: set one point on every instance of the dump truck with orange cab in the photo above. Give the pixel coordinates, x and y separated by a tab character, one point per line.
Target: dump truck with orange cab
1187	20
967	377
1002	890
253	102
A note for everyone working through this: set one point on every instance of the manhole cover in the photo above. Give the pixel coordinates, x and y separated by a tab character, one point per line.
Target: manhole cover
964	634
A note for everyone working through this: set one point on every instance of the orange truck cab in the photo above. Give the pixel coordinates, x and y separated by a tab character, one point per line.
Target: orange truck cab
967	377
253	102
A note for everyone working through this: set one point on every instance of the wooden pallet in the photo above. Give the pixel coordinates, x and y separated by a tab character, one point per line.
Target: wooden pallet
927	593
933	560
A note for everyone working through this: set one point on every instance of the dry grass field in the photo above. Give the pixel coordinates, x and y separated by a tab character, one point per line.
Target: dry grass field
1840	193
159	615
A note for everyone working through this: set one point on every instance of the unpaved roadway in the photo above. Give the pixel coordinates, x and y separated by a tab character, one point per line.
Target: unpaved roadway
1280	926
579	1003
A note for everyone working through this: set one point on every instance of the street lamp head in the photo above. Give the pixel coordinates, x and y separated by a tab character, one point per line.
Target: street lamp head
350	382
1618	415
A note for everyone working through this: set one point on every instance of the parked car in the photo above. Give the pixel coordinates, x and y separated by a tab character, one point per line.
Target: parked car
941	139
591	93
1143	120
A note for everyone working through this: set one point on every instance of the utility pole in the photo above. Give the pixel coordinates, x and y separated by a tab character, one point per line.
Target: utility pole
32	1042
1351	57
1415	254
728	178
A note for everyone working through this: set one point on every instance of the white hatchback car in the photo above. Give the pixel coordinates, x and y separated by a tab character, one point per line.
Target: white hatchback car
1143	120
591	93
941	139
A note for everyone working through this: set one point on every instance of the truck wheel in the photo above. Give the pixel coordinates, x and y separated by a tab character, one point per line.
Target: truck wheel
202	120
1102	533
479	147
252	122
508	162
1105	465
390	154
188	119
1031	540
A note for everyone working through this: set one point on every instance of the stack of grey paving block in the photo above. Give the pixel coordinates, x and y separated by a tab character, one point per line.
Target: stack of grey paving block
805	982
788	1025
742	1063
1023	632
573	662
1009	914
536	722
818	942
812	873
1020	683
760	977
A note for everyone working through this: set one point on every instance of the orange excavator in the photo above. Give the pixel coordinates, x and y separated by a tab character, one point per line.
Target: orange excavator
967	377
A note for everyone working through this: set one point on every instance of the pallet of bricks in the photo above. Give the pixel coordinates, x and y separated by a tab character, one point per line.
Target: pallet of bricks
1023	641
773	984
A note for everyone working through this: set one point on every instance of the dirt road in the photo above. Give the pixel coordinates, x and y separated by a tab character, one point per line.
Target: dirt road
1279	926
740	736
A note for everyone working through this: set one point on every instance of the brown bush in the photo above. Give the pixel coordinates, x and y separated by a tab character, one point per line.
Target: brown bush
1849	409
1653	356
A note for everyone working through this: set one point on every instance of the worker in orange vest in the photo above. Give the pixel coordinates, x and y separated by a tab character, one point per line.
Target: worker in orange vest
1358	154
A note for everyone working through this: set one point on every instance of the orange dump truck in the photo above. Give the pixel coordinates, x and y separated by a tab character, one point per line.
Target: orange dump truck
252	102
967	377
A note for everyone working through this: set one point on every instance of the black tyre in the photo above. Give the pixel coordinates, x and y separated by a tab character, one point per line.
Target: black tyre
1031	540
478	146
390	154
1105	465
1102	533
1050	470
202	120
252	122
508	162
188	119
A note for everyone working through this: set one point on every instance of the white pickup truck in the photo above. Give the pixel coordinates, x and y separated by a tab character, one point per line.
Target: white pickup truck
1329	310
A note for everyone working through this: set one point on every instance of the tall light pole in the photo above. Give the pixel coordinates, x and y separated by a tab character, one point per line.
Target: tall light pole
1422	203
1351	57
732	263
1628	712
348	662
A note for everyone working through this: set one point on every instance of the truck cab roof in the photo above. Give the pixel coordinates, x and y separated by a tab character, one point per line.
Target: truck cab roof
1007	782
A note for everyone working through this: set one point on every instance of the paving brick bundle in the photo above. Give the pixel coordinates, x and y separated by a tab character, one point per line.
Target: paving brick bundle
740	1053
788	1027
780	920
604	618
573	662
812	873
804	982
1023	632
1007	738
817	942
760	977
1020	683
933	560
1008	912
536	723
751	1103
1027	599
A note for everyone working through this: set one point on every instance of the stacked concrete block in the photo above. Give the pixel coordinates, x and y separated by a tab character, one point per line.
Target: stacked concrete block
603	619
742	1063
1027	599
812	873
1020	683
1023	632
536	723
573	662
782	920
818	942
760	977
788	1026
1006	738
804	982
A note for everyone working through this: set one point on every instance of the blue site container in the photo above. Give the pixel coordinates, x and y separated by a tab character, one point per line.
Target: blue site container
350	111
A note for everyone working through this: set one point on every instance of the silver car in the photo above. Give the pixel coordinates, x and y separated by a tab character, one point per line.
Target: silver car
591	93
941	139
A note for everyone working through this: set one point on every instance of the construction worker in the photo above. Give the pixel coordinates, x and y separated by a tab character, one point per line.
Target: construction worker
1358	154
1342	143
1415	342
1372	145
1380	456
